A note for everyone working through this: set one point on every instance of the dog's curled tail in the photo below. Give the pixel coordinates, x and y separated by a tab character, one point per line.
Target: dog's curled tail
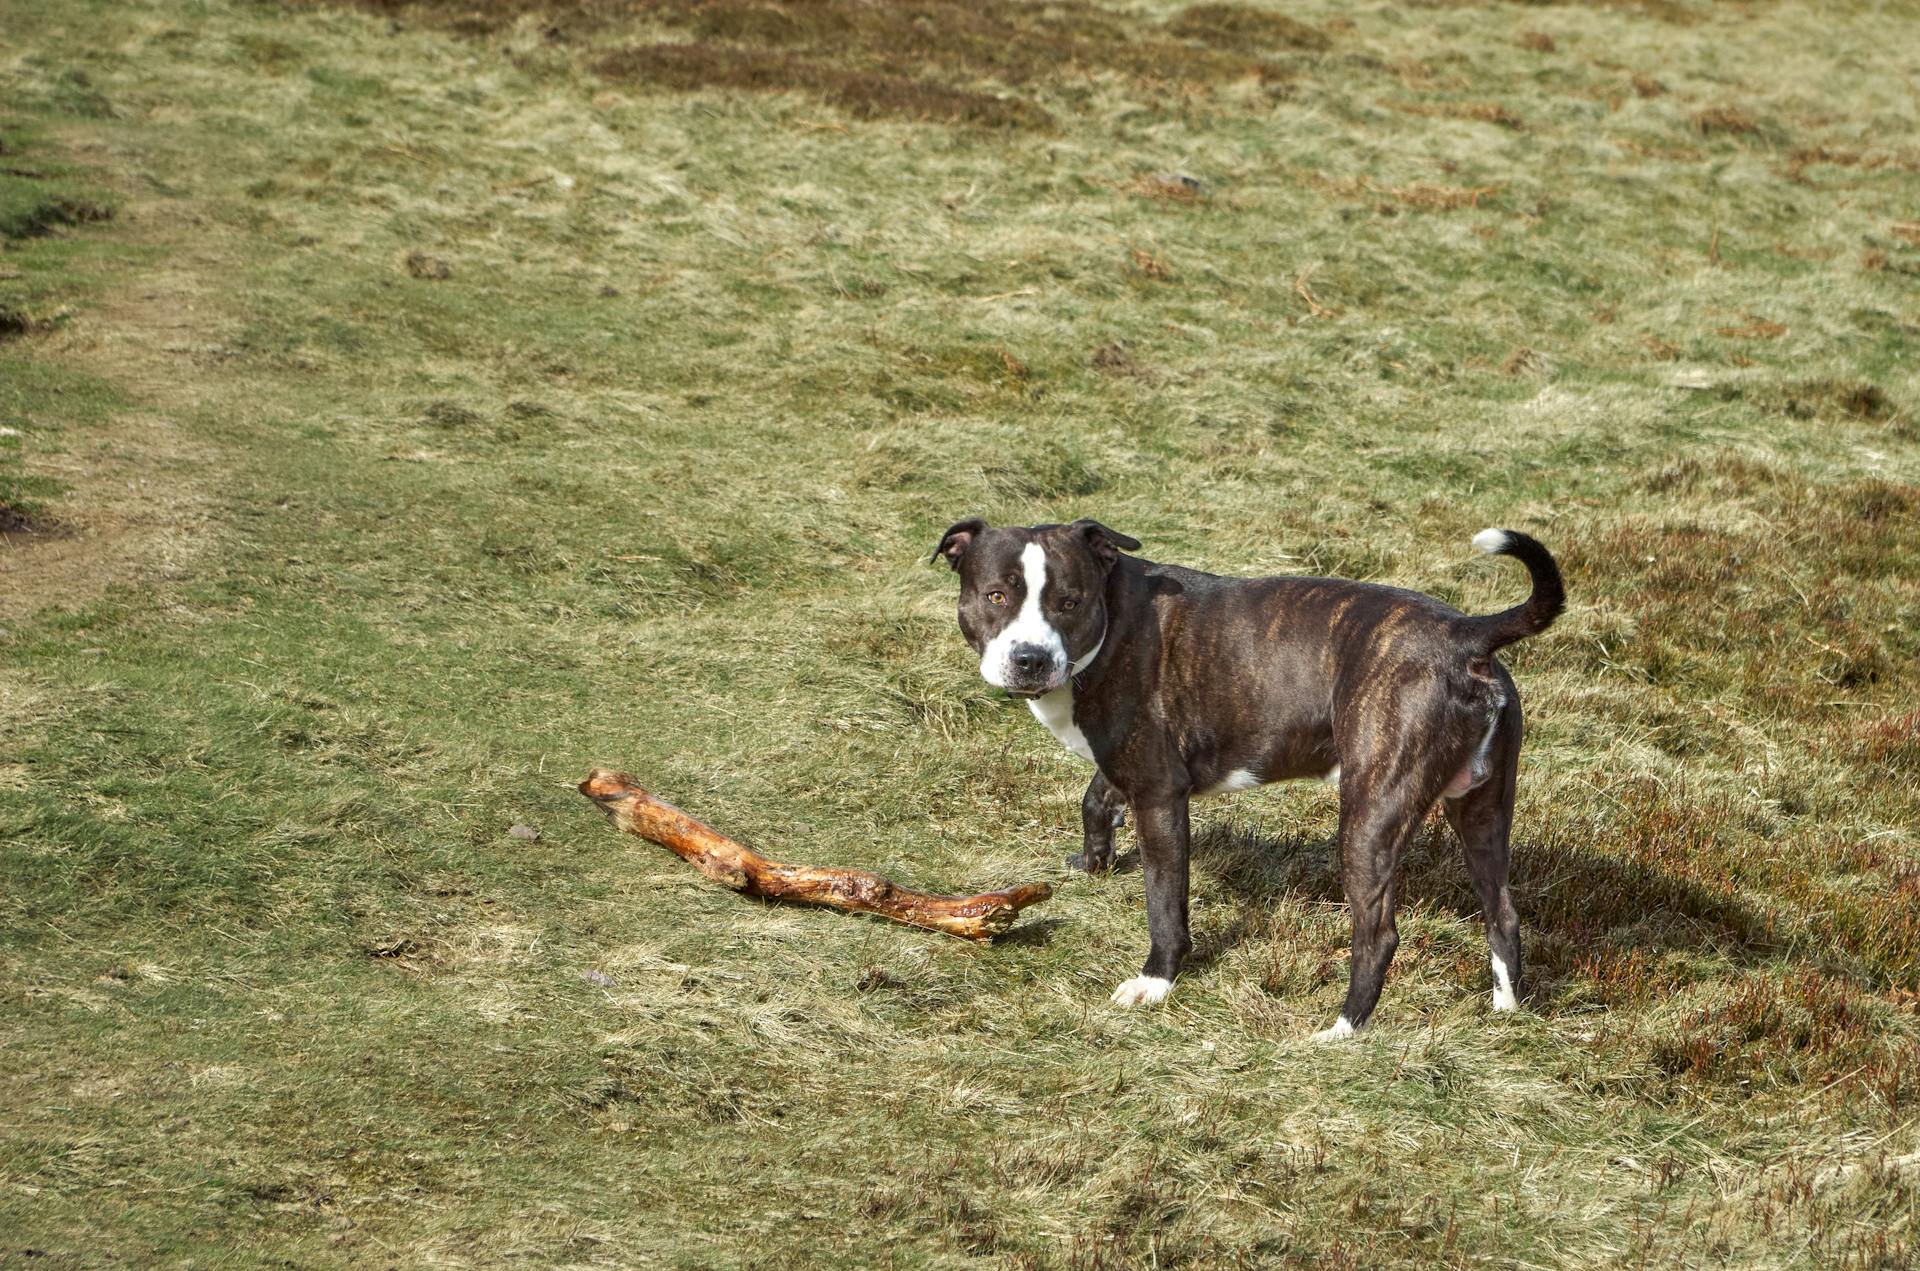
1537	612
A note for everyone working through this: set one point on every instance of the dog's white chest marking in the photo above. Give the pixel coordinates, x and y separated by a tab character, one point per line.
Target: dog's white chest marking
1055	710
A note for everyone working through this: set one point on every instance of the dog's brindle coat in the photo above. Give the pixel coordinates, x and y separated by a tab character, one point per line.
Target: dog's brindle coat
1177	683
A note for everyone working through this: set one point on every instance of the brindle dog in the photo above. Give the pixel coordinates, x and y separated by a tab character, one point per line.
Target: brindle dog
1177	683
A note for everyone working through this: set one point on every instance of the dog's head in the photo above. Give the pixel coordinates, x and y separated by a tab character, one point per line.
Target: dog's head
1033	601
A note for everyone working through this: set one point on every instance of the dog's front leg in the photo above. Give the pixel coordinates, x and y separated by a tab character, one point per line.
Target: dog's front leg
1102	811
1160	825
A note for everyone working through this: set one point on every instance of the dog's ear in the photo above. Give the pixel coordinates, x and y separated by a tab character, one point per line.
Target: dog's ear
1103	542
958	538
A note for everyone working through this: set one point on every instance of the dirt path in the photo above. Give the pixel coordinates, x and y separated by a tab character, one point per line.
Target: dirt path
138	492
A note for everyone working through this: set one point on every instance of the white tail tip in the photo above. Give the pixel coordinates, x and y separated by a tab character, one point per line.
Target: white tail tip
1492	542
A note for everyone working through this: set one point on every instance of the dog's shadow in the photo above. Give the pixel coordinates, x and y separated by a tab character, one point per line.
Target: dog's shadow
1574	905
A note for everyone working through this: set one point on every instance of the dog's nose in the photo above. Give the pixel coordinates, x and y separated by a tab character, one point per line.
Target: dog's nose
1030	659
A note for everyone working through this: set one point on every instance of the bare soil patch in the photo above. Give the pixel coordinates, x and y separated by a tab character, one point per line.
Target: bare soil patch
136	492
15	521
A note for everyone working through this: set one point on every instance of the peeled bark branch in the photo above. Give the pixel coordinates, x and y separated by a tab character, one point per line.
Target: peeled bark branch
720	858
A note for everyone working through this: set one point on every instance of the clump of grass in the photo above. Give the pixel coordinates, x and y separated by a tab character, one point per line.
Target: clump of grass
1829	398
1242	27
862	94
1151	265
1116	359
1893	740
19	516
427	268
14	321
1479	112
1807	1029
1754	328
1728	121
29	213
1170	187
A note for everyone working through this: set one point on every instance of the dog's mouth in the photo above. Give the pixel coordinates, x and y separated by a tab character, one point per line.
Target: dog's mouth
1026	670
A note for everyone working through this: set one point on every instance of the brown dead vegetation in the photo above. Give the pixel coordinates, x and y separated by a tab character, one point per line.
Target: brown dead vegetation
1237	26
1419	196
1673	154
1000	40
1477	112
1152	265
1809	1028
1670	11
1754	328
1521	361
1800	160
1168	187
1305	292
1115	359
862	94
427	268
918	59
1729	121
1827	399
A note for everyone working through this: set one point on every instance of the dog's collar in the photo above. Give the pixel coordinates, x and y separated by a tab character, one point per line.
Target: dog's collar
1091	654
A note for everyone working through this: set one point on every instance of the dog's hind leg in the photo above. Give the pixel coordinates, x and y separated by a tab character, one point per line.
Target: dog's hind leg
1102	811
1483	819
1374	831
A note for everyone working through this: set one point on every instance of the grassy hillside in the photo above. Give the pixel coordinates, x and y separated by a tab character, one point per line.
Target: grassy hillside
406	407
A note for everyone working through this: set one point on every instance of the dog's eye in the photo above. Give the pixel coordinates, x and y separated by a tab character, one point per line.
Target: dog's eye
1070	603
996	597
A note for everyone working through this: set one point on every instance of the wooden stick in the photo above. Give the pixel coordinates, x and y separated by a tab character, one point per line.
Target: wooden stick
724	861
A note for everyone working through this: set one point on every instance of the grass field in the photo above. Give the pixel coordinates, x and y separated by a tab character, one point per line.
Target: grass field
404	408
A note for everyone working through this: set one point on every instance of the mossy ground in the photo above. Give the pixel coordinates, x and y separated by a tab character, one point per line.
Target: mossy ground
456	397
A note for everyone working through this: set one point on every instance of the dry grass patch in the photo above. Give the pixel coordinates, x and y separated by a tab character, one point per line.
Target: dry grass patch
1418	196
1724	121
862	94
1240	27
1478	112
923	60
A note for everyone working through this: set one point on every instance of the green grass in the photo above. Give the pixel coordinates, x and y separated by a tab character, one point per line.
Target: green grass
461	397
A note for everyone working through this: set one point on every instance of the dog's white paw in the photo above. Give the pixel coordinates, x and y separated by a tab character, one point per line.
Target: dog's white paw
1142	990
1340	1031
1503	995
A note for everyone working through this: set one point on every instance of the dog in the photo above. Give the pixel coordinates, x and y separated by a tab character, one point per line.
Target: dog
1177	683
